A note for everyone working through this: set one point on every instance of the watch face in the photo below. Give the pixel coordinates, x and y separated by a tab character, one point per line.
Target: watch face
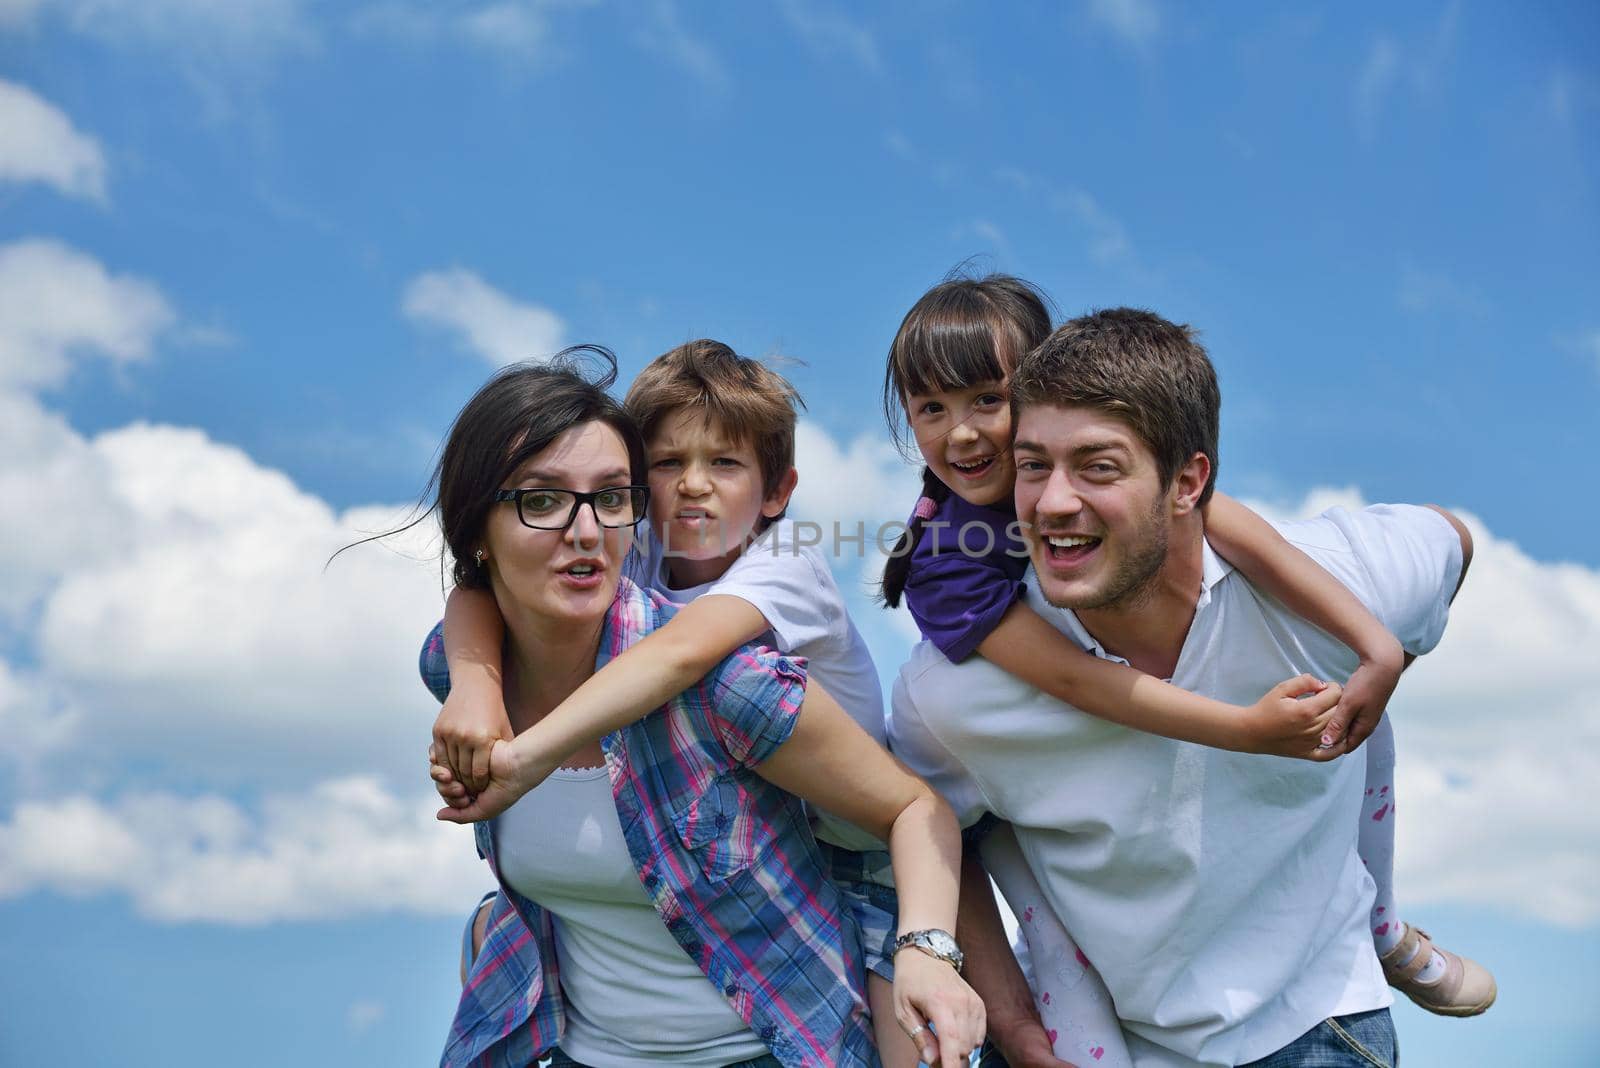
940	942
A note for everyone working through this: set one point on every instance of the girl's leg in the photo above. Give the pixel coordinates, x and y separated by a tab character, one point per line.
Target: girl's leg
1375	837
1073	1001
1436	979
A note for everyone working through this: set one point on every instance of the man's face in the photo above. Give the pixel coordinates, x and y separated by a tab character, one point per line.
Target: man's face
1094	509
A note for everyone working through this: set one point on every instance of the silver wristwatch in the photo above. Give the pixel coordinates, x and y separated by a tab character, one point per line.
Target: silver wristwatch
938	944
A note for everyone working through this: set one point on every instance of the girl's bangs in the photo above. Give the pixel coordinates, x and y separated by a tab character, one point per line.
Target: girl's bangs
936	356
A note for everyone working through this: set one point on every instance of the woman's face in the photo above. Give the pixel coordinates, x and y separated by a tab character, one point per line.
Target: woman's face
561	576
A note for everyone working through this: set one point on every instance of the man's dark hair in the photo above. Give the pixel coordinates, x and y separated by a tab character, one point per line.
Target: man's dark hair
1135	365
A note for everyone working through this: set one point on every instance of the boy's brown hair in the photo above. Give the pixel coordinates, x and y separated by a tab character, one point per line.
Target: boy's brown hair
753	404
1137	366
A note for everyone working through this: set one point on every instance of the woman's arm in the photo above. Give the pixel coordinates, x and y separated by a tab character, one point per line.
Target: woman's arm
830	761
1251	544
1283	723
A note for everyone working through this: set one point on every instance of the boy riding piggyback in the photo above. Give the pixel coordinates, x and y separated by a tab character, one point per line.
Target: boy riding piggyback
720	432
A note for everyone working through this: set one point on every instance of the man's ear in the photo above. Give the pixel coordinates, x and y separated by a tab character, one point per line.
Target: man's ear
1190	483
778	499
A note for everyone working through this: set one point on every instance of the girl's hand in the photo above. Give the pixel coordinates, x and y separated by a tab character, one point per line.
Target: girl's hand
930	992
1366	695
1292	720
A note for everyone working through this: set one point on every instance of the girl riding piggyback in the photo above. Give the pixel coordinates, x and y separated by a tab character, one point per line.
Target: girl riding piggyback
960	567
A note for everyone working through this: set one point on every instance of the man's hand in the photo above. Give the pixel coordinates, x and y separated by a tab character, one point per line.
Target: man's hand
472	720
1292	720
1024	1043
1366	695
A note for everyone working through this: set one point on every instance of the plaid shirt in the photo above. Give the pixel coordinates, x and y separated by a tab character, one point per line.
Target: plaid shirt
726	858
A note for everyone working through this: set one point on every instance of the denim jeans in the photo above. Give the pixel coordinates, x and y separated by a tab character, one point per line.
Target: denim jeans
1360	1040
561	1060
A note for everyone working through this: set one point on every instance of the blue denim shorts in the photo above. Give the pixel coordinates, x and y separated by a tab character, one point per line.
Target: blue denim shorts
561	1060
1360	1040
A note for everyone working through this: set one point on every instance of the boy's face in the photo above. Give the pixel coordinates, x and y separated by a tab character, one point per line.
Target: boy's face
706	493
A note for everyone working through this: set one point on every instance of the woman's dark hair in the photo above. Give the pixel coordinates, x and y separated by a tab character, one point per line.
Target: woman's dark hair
961	332
515	415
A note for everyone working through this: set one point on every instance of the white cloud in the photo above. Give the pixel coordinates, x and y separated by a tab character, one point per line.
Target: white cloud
515	29
363	1016
866	480
1499	741
17	12
38	143
1423	290
1421	65
344	847
235	30
202	626
1135	21
57	302
829	32
1108	240
497	327
662	31
1378	75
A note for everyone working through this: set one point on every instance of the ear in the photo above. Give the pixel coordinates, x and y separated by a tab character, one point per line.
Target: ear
778	499
1189	483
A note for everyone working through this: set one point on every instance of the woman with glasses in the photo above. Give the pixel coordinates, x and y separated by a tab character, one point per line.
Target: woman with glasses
661	898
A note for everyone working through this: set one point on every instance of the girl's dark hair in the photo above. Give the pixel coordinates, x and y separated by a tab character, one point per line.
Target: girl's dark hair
961	332
515	415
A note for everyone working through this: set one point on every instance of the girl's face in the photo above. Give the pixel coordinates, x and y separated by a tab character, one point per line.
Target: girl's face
964	435
563	576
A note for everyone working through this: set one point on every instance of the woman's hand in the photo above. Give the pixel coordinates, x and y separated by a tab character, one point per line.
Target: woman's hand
1292	720
929	991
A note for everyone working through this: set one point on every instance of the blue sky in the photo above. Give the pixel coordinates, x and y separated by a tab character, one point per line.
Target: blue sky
254	256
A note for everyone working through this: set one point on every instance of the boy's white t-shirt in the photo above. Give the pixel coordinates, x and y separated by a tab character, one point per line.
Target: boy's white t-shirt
792	586
1219	894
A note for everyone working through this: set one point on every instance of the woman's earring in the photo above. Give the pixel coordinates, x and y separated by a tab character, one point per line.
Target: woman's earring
480	556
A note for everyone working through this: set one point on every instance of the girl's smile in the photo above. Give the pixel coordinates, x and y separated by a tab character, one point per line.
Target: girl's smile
964	435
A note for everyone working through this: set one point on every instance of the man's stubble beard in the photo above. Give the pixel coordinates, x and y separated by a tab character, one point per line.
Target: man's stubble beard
1134	582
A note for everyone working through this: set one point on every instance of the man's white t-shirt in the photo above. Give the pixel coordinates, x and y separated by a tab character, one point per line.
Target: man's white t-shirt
1219	894
791	585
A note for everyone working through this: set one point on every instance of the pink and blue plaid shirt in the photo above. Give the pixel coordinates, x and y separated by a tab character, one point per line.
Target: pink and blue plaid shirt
726	858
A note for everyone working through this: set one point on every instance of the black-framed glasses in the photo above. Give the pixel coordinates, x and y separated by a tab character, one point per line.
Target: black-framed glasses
547	508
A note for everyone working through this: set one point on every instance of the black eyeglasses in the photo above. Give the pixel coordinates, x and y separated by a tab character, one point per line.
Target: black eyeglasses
543	508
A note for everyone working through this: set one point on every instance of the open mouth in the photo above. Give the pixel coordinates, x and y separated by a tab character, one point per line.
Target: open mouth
973	468
582	573
1069	549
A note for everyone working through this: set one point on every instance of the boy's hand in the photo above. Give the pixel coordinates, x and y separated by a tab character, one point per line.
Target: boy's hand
1366	695
506	787
1292	720
469	724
